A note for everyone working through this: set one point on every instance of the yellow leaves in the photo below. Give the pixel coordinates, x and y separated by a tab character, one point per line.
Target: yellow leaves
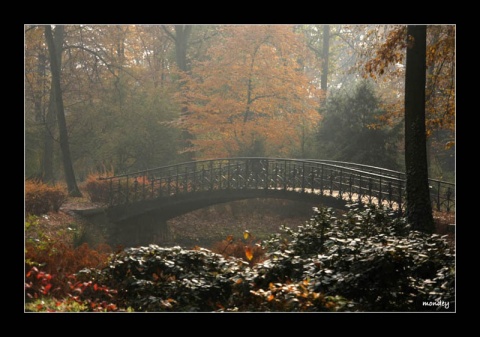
246	234
449	145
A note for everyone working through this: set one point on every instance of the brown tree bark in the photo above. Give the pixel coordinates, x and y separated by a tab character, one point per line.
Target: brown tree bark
182	34
418	205
55	66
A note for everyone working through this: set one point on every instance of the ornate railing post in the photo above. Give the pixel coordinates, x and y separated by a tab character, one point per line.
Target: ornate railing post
312	177
127	189
267	180
169	182
321	179
438	197
152	192
360	190
211	176
228	175
303	177
390	197
202	182
369	190
238	175
110	193
331	182
135	187
400	198
275	182
194	180
380	195
144	190
340	186
350	184
449	193
177	182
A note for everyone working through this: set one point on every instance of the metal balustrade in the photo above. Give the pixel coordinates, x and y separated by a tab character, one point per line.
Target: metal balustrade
347	181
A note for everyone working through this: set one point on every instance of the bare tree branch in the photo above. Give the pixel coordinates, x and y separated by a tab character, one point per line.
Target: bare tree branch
169	33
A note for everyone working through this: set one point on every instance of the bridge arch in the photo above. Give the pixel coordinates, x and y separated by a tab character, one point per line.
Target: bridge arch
176	189
140	203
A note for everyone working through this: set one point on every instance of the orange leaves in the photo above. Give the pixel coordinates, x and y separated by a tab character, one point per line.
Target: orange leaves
244	248
251	87
249	253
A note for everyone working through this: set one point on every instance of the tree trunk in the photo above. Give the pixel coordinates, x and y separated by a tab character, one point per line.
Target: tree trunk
430	89
55	66
182	34
325	52
43	116
418	206
47	162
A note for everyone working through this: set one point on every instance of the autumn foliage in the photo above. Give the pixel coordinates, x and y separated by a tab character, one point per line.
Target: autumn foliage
41	198
97	190
243	248
59	260
251	96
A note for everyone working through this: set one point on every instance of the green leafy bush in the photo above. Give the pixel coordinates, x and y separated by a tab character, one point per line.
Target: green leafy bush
370	257
368	260
169	279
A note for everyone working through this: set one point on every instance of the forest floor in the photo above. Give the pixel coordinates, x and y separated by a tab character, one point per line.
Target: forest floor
205	227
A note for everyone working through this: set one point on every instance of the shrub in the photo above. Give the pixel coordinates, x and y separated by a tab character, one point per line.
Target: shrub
81	296
369	257
368	260
168	279
54	254
97	190
41	198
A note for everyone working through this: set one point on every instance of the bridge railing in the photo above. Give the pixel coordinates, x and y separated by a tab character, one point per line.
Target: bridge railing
442	193
349	183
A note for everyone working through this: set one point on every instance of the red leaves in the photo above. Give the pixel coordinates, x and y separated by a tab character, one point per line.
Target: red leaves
46	289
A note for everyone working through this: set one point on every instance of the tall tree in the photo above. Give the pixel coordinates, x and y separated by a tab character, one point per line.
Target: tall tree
352	128
326	51
383	54
181	38
418	206
55	67
251	97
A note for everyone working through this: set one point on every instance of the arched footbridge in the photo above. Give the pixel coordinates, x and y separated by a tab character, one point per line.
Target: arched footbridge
173	190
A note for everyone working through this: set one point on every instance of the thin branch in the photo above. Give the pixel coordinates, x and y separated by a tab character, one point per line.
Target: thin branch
109	66
31	27
169	33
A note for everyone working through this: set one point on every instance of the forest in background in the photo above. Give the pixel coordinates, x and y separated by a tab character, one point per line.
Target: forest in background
142	96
